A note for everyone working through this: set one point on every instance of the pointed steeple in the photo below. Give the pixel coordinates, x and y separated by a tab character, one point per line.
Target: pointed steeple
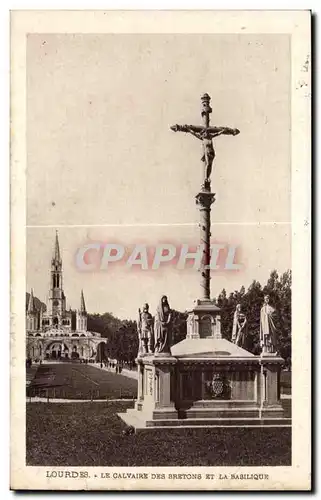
31	303
57	300
82	303
56	254
81	315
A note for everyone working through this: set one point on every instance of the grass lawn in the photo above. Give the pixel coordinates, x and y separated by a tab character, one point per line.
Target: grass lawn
30	373
90	434
80	381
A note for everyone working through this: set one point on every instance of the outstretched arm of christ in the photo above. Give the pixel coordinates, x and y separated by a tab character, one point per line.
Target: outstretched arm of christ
188	129
215	131
208	132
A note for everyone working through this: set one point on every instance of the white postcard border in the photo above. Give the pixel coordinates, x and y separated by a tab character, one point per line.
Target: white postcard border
295	23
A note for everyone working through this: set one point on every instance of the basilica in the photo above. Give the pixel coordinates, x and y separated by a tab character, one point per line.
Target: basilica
55	333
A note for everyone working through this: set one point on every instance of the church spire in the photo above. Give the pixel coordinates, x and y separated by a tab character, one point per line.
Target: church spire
31	303
82	302
81	315
56	254
57	301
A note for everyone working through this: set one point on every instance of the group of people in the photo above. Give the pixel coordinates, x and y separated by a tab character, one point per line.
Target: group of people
111	365
154	334
268	334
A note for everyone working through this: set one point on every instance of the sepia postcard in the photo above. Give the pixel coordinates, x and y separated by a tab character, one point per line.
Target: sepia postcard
160	250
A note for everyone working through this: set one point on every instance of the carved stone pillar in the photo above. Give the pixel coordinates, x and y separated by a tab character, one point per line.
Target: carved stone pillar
270	392
204	200
140	387
157	403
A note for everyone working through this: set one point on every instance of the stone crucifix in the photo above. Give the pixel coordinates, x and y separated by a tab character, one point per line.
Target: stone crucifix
205	197
206	134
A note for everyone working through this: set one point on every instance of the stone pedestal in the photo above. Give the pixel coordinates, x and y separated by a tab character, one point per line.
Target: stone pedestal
207	382
204	321
155	403
270	386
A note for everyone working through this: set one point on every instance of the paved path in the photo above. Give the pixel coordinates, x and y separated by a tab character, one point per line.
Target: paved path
125	372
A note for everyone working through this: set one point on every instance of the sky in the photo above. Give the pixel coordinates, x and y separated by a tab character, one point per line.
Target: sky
103	164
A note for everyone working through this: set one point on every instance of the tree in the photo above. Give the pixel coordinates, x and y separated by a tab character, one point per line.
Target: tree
179	326
285	296
105	324
123	343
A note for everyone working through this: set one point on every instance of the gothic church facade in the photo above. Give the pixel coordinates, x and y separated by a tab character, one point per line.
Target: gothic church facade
56	333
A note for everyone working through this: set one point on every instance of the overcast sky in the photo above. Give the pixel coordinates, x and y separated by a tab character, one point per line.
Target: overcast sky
100	152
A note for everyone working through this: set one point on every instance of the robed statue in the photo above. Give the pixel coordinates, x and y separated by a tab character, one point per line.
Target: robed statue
268	334
239	331
145	330
162	326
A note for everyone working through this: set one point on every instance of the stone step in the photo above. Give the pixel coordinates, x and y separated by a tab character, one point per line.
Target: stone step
135	419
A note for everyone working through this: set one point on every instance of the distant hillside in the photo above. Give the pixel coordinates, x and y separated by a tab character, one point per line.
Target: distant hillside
38	303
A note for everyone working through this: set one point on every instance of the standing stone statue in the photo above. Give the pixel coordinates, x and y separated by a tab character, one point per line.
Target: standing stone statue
239	327
145	330
162	327
268	335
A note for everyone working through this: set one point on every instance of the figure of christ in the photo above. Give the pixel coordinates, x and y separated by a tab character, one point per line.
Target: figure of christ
206	135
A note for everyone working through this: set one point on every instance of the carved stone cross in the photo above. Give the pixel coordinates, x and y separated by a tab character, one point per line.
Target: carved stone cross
205	197
206	134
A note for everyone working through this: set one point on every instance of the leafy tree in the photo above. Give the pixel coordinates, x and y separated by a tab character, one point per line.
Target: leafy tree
105	324
179	329
123	343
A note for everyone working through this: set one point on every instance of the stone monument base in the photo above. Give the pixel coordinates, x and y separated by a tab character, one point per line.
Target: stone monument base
132	418
207	383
